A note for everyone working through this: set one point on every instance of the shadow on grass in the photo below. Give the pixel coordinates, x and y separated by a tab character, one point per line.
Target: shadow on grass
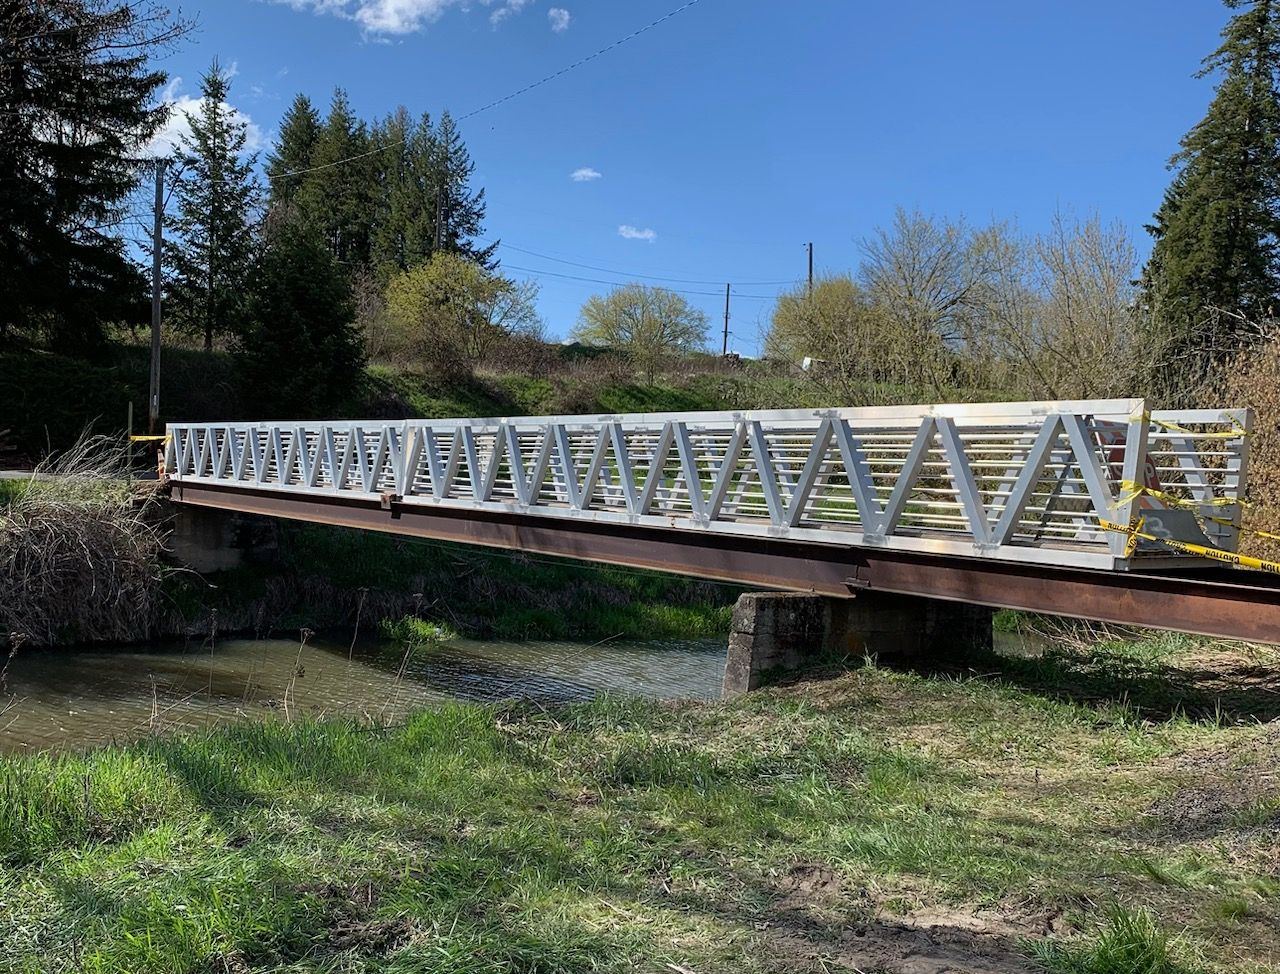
1224	691
1202	686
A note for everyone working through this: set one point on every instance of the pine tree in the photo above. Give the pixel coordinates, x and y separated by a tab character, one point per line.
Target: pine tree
77	105
404	223
299	132
1217	232
337	195
460	211
300	355
211	233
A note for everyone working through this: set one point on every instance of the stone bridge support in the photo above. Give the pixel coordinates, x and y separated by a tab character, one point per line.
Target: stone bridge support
775	632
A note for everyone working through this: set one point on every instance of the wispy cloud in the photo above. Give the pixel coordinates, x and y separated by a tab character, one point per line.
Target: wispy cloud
169	139
383	18
559	18
628	232
584	175
508	9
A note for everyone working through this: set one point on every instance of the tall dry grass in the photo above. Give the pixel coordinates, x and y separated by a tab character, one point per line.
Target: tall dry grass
1254	380
79	552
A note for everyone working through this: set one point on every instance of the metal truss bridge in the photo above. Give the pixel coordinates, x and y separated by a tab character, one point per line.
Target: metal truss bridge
995	504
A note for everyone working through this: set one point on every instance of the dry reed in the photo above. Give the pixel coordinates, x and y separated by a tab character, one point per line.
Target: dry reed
79	552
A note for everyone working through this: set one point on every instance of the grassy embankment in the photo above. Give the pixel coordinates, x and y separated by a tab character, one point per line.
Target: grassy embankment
327	578
1095	814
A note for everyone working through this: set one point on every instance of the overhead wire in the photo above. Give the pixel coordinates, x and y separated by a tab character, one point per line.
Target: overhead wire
628	274
505	98
595	280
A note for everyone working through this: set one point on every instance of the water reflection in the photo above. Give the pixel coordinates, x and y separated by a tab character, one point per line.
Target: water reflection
76	700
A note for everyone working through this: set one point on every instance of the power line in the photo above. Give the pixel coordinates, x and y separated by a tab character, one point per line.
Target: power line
505	98
579	63
646	277
595	280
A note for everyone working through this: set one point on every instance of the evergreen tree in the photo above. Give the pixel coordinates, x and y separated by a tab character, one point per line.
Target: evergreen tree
299	132
337	196
460	210
210	246
77	105
300	355
1218	229
404	222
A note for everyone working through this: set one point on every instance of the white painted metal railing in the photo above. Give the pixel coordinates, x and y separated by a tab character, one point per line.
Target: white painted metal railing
1013	481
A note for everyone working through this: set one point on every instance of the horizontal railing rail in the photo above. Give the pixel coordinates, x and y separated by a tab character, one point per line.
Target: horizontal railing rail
1016	481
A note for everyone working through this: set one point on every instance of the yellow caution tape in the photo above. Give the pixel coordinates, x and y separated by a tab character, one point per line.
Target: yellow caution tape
1186	547
149	439
1131	543
1227	522
1236	430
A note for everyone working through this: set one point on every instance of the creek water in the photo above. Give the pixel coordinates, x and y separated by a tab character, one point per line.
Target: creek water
71	700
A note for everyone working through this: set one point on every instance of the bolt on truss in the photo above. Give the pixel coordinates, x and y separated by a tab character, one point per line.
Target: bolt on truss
1012	481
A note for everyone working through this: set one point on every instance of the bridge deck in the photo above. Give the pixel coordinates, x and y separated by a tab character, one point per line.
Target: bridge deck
1024	483
994	504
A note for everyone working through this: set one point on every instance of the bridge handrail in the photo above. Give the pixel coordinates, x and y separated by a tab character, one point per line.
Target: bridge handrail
1012	481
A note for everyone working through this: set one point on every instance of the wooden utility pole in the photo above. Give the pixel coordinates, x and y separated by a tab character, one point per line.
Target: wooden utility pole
157	241
725	352
811	268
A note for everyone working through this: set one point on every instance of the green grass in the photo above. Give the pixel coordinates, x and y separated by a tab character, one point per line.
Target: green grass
484	593
409	629
1131	943
11	490
622	836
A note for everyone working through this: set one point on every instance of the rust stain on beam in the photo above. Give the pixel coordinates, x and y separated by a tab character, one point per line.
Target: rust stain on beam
1220	603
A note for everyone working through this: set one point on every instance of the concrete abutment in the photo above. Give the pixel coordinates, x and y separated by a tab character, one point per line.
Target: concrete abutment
775	632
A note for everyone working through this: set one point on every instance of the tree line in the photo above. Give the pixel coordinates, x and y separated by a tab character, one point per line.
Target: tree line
364	239
936	304
280	269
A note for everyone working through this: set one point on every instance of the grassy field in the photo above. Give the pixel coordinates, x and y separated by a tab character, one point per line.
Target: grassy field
1014	815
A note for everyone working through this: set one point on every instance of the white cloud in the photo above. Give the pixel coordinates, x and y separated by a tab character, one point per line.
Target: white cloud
169	139
628	232
584	175
559	18
508	9
385	17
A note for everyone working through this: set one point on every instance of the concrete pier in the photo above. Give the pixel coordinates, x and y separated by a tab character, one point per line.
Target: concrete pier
776	632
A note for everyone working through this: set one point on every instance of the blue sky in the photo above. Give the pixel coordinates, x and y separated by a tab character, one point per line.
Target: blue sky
736	132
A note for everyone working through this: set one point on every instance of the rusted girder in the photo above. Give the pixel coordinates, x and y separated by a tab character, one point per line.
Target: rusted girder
1217	602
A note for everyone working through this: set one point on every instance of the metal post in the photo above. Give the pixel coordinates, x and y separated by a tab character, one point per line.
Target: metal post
811	268
157	241
725	352
129	440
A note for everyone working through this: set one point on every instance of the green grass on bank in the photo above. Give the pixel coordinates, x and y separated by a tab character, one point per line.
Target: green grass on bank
851	824
328	577
509	595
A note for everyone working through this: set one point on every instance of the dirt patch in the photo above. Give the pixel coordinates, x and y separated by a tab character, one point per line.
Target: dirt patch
817	923
883	947
1204	811
372	937
807	885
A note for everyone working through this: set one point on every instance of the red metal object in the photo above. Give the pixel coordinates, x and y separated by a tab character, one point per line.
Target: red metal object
1216	602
